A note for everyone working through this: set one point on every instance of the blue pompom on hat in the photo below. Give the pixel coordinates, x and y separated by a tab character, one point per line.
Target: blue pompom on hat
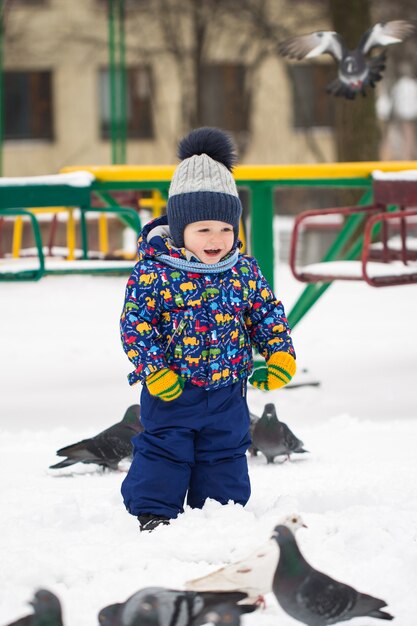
202	187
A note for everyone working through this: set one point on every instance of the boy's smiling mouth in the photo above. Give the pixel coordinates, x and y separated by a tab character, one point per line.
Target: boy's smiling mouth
212	252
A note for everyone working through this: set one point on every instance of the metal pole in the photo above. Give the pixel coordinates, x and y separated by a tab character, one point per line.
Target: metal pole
122	83
118	84
112	81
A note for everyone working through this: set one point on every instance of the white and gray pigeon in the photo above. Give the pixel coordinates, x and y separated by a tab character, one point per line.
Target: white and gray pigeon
46	611
159	606
252	574
358	68
108	447
312	597
274	438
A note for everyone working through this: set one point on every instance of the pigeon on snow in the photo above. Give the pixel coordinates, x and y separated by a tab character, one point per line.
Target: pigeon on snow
274	438
158	606
253	574
46	611
108	615
107	448
224	614
357	68
312	597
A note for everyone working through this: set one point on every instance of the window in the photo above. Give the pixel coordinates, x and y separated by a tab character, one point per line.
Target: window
312	106
28	105
18	3
138	103
222	97
129	5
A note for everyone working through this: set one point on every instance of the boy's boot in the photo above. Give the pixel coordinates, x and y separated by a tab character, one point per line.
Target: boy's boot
149	521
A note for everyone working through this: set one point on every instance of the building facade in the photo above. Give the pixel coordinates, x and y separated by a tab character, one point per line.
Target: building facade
57	86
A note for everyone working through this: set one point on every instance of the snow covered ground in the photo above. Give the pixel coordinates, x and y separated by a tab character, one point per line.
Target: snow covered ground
63	377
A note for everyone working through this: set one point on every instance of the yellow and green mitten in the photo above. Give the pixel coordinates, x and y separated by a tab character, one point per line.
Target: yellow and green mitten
165	384
279	371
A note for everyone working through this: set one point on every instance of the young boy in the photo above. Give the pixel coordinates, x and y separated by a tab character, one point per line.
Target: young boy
194	308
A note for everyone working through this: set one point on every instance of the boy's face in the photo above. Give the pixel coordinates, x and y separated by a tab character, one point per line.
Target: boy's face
209	240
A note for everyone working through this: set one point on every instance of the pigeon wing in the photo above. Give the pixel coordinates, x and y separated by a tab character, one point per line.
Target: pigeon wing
292	443
386	34
312	45
323	596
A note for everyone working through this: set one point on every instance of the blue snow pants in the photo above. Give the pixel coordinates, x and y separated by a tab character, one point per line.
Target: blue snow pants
196	443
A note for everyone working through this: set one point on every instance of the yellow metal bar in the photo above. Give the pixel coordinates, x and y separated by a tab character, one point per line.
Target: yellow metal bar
248	172
156	203
103	234
17	237
242	236
71	238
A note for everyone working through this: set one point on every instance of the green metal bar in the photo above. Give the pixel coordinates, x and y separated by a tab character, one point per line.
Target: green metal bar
122	83
113	86
262	236
312	292
328	183
84	233
118	82
26	274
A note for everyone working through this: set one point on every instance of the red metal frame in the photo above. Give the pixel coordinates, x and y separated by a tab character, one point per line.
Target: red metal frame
388	254
386	192
303	276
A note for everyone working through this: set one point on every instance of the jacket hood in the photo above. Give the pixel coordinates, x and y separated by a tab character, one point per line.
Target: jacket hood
155	240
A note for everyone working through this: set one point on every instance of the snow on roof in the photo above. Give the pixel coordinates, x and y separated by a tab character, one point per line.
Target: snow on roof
73	179
402	175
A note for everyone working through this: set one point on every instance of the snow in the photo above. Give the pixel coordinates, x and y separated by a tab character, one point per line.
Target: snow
74	179
403	175
63	377
353	269
11	265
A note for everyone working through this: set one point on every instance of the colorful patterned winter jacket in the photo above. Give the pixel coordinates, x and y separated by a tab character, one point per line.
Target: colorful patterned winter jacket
201	325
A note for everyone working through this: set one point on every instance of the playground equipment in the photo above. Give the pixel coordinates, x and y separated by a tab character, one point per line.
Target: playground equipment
29	197
389	261
261	182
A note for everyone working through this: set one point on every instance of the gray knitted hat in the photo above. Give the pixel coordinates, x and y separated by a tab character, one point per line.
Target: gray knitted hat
203	187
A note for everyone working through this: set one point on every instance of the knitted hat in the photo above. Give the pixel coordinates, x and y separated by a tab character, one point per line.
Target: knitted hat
203	187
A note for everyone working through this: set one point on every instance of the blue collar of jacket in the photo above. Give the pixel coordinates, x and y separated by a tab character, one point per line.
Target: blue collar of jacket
160	247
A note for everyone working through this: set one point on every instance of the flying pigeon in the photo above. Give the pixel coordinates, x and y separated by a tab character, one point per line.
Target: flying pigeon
312	597
158	606
107	448
357	68
274	438
253	574
46	611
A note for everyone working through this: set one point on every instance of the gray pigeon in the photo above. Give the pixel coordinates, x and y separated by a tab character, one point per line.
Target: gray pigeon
272	437
158	606
312	597
357	68
253	574
108	616
107	448
46	611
